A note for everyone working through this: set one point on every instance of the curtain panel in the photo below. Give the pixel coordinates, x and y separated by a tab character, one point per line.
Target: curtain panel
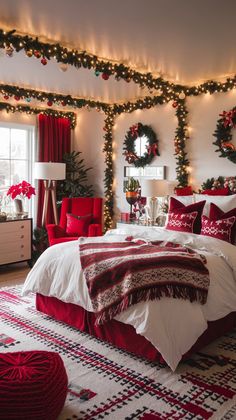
54	140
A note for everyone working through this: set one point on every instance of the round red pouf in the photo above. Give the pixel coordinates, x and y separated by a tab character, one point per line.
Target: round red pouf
33	385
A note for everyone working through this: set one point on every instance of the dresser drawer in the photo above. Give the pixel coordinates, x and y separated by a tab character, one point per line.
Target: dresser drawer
15	226
15	241
14	256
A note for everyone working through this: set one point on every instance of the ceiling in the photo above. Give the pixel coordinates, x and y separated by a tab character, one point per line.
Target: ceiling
184	41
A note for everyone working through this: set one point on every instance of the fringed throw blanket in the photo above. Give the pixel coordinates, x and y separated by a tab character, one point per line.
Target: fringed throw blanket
120	274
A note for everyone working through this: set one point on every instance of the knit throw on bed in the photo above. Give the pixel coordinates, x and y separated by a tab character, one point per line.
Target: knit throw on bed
121	274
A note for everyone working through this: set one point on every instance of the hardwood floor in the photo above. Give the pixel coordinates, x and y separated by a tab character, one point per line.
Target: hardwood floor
13	274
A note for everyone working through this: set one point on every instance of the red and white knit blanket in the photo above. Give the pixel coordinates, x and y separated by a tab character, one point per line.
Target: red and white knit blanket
120	274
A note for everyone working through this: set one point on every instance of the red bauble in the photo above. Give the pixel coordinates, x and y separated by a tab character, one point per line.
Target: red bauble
37	54
63	103
105	76
6	97
17	98
44	61
49	103
175	104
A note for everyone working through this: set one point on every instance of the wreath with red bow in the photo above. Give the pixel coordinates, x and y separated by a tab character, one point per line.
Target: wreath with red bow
135	131
223	134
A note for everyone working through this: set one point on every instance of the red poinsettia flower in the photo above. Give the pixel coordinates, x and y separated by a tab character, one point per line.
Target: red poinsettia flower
23	189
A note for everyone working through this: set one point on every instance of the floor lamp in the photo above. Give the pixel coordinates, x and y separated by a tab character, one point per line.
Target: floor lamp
49	172
153	188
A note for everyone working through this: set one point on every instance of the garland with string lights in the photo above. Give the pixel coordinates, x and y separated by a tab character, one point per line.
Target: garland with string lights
109	176
19	93
30	111
135	131
180	141
224	136
15	42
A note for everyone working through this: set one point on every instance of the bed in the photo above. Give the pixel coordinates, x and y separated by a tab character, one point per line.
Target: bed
162	329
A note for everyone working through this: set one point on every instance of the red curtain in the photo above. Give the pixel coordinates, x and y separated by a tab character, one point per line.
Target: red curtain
54	141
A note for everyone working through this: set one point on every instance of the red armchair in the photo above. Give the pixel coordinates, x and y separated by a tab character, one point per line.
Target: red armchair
80	216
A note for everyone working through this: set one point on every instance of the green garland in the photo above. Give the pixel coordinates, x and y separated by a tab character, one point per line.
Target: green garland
139	130
224	136
19	93
33	47
109	177
220	182
30	111
180	141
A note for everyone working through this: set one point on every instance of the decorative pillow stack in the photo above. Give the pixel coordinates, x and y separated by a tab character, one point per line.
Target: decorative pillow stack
77	225
220	224
191	216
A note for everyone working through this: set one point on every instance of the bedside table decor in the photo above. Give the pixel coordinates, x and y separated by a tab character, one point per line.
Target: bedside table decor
18	193
153	188
132	193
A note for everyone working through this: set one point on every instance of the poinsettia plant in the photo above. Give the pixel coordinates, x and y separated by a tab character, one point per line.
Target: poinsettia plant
23	189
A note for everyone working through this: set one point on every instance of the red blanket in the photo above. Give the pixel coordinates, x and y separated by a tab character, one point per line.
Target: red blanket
124	273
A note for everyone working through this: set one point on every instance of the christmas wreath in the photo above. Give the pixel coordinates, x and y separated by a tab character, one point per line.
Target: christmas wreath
224	136
135	131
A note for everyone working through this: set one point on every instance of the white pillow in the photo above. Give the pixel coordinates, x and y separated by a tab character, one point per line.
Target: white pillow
185	199
224	202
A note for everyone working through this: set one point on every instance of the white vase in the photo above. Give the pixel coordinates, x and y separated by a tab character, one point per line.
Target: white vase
19	207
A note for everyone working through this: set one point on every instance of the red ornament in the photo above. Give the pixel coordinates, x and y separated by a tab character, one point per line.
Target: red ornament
49	103
17	98
105	76
6	97
44	61
37	54
175	104
63	103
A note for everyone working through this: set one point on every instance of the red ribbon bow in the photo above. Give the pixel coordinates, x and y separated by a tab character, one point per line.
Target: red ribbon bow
134	130
228	118
152	149
130	157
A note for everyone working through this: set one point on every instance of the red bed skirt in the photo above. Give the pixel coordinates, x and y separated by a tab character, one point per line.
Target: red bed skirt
122	335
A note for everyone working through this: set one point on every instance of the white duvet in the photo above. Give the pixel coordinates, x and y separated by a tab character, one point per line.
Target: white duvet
171	325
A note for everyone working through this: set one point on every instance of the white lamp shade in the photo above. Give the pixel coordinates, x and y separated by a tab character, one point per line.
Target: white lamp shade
154	188
49	170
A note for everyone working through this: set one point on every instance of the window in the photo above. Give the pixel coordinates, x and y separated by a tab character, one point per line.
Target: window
16	159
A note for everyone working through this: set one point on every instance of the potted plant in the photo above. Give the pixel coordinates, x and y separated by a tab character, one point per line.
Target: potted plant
132	193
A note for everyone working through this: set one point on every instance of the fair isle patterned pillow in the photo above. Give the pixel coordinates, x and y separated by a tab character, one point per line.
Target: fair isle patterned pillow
182	222
219	229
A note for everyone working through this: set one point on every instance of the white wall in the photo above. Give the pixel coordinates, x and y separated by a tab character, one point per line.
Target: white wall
204	112
88	139
163	121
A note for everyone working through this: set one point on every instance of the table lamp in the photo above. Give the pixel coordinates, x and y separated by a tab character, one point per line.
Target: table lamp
153	188
49	172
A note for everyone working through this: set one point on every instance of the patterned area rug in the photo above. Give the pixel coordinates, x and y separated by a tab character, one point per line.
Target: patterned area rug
108	383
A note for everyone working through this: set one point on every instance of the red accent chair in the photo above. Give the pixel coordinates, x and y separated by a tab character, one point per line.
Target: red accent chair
80	216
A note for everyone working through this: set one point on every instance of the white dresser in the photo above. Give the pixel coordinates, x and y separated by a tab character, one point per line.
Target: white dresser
15	241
